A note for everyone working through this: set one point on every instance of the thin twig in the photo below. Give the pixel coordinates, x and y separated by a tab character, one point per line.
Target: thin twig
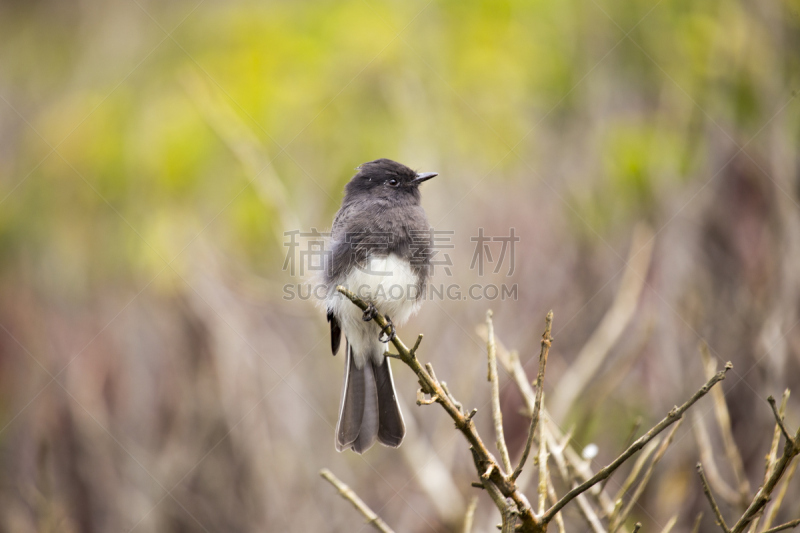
631	435
413	350
497	414
542	463
470	515
787	525
696	526
452	398
648	450
715	480
537	406
583	503
779	420
649	472
776	437
555	439
771	459
348	494
764	493
711	500
551	493
724	423
670	524
776	503
674	415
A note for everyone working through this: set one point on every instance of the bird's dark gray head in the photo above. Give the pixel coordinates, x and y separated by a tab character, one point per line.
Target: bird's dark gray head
384	178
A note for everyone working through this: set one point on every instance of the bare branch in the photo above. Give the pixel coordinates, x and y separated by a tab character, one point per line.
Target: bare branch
452	398
628	441
776	503
348	494
772	456
674	415
470	516
764	493
509	517
724	423
484	460
551	493
537	406
711	500
649	472
542	464
788	525
715	480
413	350
628	483
497	414
779	421
555	439
563	469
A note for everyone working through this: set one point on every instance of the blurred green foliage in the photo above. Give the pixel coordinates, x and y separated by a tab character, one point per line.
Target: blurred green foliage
322	86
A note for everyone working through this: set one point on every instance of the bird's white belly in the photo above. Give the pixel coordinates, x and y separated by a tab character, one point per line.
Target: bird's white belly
390	284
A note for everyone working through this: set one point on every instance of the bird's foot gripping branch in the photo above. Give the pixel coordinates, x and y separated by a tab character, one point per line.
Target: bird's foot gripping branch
501	479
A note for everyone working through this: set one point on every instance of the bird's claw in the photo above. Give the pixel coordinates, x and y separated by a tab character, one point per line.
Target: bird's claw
369	313
388	332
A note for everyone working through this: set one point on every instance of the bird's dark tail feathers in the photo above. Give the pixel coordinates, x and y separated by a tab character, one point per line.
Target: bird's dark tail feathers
369	408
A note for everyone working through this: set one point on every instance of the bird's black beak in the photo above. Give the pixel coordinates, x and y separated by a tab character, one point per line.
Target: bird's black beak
424	176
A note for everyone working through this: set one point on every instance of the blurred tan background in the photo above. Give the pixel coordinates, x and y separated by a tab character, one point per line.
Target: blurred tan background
152	154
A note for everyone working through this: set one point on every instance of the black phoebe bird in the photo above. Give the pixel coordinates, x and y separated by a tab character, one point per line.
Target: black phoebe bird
380	249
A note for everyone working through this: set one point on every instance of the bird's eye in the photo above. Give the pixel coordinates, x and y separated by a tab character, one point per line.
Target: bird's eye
392	182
